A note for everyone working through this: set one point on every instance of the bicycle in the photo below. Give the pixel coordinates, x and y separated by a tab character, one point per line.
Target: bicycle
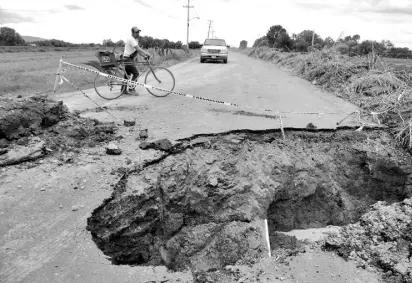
109	88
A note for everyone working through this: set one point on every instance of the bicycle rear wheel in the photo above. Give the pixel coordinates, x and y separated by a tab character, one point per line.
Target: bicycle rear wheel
109	88
161	78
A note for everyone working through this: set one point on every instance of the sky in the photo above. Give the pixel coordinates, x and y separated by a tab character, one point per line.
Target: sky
87	21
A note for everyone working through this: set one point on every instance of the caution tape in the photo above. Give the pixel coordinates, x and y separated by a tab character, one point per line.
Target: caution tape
281	126
62	78
135	83
276	112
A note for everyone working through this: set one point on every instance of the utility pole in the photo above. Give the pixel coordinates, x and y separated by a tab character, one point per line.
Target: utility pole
188	8
313	37
208	32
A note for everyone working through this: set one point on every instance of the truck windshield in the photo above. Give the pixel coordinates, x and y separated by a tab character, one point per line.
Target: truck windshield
218	42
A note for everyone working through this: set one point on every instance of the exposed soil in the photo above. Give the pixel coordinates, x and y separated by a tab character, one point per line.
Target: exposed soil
52	125
24	117
203	205
382	238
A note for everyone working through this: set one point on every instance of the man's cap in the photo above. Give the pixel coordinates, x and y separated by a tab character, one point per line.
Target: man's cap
135	29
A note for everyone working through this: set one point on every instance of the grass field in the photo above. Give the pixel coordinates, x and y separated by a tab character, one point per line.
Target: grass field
32	73
399	64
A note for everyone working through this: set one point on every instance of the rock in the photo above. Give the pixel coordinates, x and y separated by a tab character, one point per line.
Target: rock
210	161
254	242
4	143
213	181
75	208
112	149
60	206
34	150
42	189
236	141
106	128
164	254
145	145
408	201
163	144
311	126
129	123
143	134
389	273
199	141
78	132
401	268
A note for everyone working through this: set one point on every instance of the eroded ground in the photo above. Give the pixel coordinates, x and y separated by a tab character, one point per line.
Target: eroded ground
203	207
200	207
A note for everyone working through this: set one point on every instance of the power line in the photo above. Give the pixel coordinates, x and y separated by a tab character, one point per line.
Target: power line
156	9
18	10
197	14
143	4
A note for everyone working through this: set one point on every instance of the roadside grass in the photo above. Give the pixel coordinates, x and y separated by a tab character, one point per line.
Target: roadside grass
382	90
33	73
16	49
400	64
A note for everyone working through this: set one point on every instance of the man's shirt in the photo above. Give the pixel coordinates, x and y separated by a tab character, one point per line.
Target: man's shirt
129	47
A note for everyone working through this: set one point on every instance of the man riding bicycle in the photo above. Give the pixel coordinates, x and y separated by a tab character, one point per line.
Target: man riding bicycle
131	49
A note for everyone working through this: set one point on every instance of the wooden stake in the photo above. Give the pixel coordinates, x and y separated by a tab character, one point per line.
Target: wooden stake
267	238
281	126
59	69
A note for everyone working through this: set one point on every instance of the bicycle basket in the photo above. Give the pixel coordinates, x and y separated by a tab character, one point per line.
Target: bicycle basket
107	59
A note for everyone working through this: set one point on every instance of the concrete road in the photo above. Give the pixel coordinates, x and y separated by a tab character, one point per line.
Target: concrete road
245	81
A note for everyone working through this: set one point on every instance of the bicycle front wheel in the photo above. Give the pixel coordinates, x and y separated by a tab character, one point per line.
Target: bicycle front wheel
161	78
109	88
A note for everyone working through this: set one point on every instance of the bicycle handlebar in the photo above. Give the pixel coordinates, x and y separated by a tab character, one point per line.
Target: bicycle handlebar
114	49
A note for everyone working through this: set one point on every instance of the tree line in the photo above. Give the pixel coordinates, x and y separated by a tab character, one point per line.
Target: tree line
148	42
307	40
9	37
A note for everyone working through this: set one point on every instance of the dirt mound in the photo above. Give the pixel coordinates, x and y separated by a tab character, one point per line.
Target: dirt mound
77	132
52	122
203	206
21	118
382	238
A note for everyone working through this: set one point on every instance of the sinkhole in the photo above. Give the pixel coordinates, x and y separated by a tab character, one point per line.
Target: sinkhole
203	206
